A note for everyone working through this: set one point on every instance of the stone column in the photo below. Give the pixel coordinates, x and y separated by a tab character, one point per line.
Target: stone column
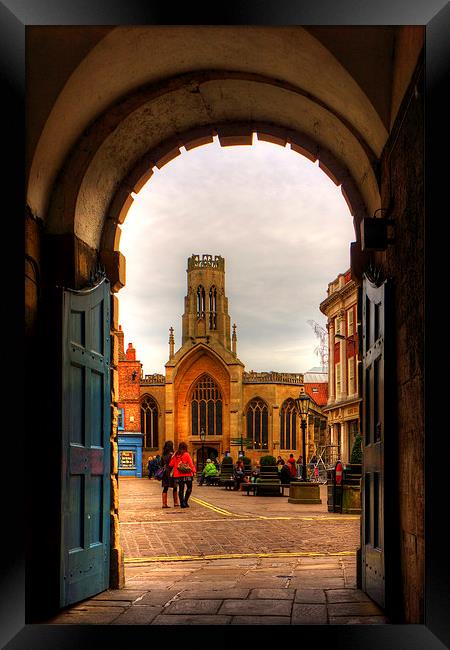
344	442
344	386
331	373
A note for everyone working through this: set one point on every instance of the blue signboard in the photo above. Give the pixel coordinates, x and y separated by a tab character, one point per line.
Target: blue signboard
130	454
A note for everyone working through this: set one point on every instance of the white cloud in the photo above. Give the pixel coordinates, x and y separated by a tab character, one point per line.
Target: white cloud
282	226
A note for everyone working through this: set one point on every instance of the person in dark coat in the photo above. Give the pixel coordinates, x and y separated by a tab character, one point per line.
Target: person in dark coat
285	474
167	480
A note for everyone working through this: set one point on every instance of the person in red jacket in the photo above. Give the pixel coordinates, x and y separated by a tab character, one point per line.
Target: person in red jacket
183	473
291	465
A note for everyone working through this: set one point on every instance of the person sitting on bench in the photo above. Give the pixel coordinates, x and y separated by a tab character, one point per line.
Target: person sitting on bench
209	471
238	474
285	475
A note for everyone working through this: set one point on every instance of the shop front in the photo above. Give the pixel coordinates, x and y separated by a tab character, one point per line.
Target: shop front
130	454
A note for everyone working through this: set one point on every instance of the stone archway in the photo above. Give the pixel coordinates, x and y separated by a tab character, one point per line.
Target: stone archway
84	169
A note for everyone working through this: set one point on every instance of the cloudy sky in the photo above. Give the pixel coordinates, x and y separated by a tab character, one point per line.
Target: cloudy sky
283	228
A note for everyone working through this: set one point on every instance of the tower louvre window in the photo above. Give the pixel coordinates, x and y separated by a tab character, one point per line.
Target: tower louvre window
258	424
149	422
200	301
288	425
206	407
213	308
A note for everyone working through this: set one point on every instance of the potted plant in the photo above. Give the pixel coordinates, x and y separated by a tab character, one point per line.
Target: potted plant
356	455
268	465
226	469
351	494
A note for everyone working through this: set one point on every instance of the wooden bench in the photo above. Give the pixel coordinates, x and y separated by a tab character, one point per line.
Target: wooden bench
227	483
262	488
212	480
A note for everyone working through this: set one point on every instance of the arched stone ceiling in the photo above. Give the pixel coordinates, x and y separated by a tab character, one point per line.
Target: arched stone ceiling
209	104
308	88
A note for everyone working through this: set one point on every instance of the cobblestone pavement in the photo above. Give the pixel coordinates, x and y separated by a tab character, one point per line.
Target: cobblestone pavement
231	559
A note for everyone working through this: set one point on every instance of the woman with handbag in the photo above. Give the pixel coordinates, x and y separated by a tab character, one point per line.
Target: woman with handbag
183	473
167	478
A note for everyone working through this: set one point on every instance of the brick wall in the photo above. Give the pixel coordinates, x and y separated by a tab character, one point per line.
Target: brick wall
402	189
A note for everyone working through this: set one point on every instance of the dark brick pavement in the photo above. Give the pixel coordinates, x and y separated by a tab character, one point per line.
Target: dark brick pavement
230	559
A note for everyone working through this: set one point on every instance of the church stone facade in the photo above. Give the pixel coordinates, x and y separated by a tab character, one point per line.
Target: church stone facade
206	386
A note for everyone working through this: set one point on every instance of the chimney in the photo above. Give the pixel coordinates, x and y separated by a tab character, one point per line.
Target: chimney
120	340
131	353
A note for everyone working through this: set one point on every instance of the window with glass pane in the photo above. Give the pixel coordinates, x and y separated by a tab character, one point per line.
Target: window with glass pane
149	422
258	424
288	416
206	407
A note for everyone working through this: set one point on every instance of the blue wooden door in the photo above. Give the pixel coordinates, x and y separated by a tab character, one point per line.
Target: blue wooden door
85	443
374	432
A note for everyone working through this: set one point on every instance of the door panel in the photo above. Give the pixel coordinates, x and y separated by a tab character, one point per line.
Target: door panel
373	423
85	443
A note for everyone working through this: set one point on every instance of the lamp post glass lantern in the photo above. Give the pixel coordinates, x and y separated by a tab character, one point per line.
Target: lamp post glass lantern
202	438
302	403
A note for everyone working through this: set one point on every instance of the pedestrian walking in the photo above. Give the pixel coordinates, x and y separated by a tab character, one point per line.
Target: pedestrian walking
183	473
299	465
167	480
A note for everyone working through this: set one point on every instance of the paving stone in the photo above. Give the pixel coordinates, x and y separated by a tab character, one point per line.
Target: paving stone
310	596
143	615
309	614
219	594
276	594
358	620
193	606
258	607
119	594
307	572
270	583
204	619
354	609
261	620
156	597
346	596
317	583
105	603
87	616
205	584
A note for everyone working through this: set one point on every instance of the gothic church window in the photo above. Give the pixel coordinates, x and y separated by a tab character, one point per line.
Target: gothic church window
258	424
149	422
206	407
288	425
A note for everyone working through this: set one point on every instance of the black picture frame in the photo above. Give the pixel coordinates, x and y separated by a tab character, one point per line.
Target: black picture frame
14	17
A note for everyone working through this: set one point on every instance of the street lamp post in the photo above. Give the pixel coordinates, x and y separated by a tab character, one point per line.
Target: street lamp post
202	438
302	405
304	491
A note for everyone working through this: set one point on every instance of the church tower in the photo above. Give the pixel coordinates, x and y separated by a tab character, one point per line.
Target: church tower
206	306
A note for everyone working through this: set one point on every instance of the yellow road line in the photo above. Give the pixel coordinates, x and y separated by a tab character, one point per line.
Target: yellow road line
233	556
238	517
218	509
